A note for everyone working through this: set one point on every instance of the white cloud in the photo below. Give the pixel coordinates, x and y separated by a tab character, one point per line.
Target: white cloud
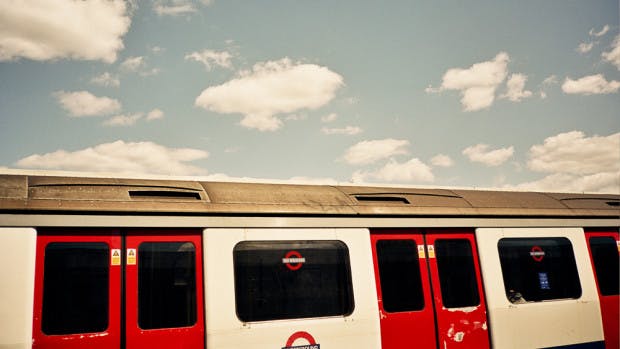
589	85
516	88
585	47
123	120
411	171
83	103
329	118
212	58
154	114
133	64
367	152
271	88
177	9
574	153
613	56
600	33
478	83
106	79
576	163
482	154
441	160
121	158
55	29
348	130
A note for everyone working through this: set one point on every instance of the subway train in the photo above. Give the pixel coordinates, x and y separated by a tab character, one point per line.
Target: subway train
107	263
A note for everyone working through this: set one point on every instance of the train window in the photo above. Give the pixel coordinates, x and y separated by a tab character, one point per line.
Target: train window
399	273
605	257
457	273
75	288
166	285
538	269
292	279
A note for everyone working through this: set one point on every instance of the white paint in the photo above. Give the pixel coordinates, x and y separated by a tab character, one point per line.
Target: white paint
225	331
538	324
458	337
463	310
17	261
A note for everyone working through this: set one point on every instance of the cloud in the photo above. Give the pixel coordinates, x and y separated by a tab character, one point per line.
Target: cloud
121	158
123	120
411	171
441	160
367	152
133	64
348	130
106	79
613	56
585	47
173	8
576	163
155	114
600	33
481	153
271	88
83	103
574	153
516	85
329	118
589	85
477	84
54	29
212	58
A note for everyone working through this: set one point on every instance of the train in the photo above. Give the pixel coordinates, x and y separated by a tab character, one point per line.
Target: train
111	262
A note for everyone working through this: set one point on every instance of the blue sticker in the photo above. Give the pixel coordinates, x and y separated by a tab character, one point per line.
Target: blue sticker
543	280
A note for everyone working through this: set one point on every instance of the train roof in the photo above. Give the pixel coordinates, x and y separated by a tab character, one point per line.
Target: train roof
54	194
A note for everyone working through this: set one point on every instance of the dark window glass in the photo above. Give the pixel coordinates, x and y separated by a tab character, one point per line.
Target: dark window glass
538	269
292	279
605	257
75	288
399	272
457	273
166	285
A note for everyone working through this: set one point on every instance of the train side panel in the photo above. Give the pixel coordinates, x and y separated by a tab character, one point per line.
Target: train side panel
17	264
540	288
265	322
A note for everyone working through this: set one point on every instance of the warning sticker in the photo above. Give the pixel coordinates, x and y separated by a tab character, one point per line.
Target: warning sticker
131	256
293	260
301	335
421	253
116	257
431	251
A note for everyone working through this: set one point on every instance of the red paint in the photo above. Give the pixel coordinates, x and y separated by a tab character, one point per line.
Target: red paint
177	338
414	329
470	323
537	253
293	266
301	334
610	305
434	325
110	338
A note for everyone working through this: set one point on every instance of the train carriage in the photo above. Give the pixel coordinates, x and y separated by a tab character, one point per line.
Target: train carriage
92	262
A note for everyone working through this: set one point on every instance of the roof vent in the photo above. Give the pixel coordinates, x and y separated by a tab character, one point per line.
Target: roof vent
382	199
613	203
164	194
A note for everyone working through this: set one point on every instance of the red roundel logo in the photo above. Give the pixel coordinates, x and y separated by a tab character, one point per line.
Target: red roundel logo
301	335
293	260
537	253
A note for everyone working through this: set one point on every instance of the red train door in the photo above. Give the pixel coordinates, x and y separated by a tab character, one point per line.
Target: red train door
604	247
77	290
403	289
164	291
457	289
430	290
102	290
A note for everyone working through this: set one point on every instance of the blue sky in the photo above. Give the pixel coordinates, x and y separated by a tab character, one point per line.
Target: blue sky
520	94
